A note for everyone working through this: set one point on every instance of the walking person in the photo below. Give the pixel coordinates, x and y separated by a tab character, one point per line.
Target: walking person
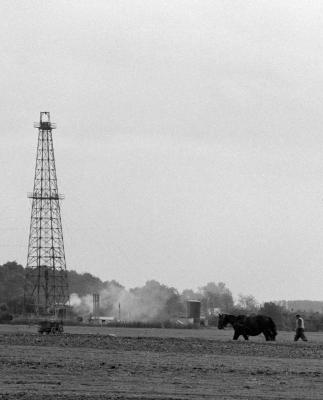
300	329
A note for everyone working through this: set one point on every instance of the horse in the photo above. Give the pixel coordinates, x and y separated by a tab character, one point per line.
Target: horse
249	326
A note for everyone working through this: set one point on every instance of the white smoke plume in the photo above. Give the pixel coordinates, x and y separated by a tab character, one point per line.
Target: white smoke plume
140	304
81	305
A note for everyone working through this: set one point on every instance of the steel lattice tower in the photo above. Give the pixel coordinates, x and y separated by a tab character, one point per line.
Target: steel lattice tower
46	275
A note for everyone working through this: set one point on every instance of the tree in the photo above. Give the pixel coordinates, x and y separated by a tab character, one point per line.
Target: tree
83	284
189	294
216	296
12	278
247	303
174	306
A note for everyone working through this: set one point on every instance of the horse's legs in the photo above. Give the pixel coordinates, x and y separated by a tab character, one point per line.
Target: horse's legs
246	337
273	334
236	335
267	335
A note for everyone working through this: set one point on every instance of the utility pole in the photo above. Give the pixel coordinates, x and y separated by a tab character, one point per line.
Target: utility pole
46	286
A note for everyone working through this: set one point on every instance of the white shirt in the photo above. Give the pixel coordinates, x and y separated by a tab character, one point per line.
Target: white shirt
299	323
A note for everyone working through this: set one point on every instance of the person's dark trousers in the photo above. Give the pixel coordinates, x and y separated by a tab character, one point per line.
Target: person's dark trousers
300	334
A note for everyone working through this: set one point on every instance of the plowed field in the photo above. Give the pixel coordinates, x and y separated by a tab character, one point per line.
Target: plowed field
156	364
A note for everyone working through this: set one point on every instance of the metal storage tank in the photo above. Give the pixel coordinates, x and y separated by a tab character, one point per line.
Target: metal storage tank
194	311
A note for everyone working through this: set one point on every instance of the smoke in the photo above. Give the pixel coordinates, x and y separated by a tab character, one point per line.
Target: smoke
147	303
81	305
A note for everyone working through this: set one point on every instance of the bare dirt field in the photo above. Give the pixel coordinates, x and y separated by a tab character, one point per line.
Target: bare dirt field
92	363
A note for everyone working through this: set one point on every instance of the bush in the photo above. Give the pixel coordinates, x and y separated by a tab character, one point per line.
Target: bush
5	317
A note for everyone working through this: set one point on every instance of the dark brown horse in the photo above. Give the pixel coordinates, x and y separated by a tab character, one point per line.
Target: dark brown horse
249	326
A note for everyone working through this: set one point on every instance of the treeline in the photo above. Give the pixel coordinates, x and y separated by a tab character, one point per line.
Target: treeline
151	302
12	281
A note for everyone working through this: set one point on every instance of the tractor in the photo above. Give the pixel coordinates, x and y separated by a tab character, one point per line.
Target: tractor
54	327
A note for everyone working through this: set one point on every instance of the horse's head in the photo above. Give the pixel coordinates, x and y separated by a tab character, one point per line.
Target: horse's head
222	321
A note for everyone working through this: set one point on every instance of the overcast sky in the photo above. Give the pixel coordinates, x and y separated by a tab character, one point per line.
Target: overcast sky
189	143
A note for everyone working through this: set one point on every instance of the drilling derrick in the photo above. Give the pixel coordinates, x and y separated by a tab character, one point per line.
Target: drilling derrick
46	287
